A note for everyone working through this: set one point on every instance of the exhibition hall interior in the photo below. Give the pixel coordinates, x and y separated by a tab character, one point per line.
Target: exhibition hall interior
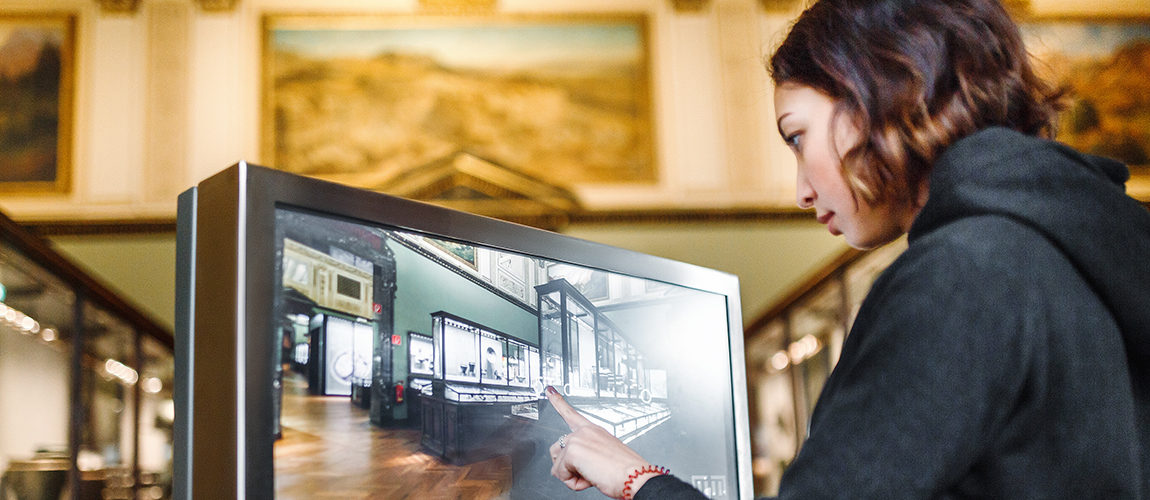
407	365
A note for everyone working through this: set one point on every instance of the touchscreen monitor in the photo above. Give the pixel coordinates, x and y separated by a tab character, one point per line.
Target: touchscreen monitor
340	341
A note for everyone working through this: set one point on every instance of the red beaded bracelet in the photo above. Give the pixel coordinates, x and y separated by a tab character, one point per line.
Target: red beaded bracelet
657	469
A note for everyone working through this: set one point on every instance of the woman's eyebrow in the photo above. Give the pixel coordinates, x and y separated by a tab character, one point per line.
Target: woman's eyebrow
779	122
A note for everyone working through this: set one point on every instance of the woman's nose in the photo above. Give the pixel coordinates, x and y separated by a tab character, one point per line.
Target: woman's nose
804	193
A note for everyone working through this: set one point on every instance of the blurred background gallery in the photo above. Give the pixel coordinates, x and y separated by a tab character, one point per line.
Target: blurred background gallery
644	124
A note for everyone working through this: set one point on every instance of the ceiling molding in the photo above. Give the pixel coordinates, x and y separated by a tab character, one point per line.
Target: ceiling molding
458	6
217	5
689	5
781	6
119	6
669	216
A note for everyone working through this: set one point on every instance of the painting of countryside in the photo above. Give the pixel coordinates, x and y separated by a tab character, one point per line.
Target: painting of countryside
563	100
1104	64
33	56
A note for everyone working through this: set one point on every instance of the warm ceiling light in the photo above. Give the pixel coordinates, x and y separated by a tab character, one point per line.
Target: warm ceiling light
121	371
780	361
152	385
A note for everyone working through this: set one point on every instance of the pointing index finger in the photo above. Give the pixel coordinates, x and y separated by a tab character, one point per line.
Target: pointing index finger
565	410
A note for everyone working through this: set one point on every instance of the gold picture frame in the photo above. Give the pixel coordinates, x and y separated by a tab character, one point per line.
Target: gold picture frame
36	95
366	100
1103	62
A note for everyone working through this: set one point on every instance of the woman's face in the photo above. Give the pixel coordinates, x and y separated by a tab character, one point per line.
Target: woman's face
818	138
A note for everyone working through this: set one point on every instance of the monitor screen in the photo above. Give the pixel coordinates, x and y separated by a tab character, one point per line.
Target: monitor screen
340	341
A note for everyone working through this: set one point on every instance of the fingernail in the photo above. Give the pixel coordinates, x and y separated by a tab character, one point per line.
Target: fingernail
551	390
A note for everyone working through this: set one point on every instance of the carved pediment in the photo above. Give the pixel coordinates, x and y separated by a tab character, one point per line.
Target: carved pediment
467	182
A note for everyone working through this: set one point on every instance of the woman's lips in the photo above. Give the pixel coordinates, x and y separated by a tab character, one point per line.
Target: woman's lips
826	219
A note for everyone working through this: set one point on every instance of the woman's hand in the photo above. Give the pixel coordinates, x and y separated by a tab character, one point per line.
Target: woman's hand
591	456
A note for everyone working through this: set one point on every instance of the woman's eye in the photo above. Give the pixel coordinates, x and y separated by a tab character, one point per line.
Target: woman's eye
792	140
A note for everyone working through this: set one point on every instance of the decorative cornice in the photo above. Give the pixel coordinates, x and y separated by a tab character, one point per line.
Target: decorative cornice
119	6
780	5
217	5
689	5
458	6
555	221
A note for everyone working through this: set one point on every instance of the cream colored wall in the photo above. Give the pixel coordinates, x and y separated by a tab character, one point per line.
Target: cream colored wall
170	94
37	413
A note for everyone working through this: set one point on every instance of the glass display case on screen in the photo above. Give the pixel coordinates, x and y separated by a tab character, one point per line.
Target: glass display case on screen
477	362
459	344
420	354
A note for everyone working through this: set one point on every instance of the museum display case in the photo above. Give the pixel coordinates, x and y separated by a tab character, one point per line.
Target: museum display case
568	322
602	373
482	378
420	355
85	382
791	350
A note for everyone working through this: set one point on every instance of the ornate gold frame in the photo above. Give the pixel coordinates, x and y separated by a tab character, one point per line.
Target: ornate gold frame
334	22
66	22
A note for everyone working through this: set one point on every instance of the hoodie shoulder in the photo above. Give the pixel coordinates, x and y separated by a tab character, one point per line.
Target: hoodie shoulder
1076	201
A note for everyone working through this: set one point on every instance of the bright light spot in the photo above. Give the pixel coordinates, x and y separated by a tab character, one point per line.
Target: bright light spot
152	385
780	361
121	371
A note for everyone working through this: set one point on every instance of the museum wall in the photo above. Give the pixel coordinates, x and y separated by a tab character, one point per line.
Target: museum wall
429	287
170	93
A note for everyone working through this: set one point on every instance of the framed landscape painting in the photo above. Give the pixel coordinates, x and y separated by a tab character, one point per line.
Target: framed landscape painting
1104	64
36	102
363	99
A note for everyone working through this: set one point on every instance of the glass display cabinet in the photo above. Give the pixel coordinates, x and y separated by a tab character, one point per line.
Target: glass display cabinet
420	360
586	354
569	325
600	372
791	350
420	355
86	382
484	385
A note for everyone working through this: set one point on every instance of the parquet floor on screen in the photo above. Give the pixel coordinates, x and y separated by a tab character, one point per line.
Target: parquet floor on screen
331	450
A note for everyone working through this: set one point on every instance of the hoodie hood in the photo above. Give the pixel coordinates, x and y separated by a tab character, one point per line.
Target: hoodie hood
1077	201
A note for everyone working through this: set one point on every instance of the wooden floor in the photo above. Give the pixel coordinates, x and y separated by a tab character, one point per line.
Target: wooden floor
330	450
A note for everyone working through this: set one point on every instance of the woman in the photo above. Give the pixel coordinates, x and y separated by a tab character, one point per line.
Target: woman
1005	354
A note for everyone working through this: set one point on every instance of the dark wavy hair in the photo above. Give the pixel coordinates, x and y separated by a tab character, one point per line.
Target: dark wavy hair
914	76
